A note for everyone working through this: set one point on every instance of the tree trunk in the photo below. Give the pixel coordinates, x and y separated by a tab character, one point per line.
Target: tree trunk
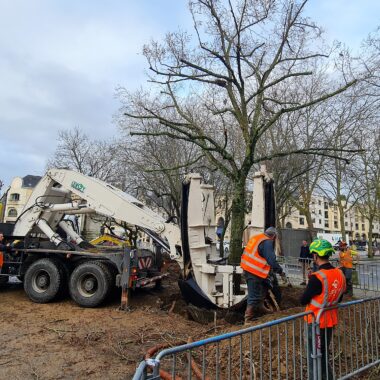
341	220
370	238
310	225
237	222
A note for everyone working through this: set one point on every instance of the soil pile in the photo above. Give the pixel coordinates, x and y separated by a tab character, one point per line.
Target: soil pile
63	341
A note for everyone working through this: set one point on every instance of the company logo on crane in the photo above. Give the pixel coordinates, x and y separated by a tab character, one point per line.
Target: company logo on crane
78	186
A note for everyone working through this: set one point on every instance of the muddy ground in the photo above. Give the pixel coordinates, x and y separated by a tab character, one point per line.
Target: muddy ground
63	341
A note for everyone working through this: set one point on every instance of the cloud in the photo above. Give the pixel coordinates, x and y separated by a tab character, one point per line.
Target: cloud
61	61
60	65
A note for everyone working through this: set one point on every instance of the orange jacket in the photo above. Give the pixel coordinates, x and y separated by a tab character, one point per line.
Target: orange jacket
333	286
251	261
345	259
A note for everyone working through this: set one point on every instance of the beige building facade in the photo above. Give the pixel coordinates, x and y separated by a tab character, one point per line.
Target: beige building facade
326	219
16	196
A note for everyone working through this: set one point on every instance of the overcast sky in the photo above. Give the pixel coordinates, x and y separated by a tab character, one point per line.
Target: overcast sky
61	60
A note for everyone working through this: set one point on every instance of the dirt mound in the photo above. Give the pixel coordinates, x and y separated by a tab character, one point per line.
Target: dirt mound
63	341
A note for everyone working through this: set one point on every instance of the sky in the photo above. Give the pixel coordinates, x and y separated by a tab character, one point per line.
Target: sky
61	61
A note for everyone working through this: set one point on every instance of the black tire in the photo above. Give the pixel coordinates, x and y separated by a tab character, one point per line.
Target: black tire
43	280
4	280
90	283
65	270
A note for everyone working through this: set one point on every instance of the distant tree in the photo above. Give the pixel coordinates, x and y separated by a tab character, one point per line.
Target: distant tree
156	167
225	90
95	158
349	114
369	187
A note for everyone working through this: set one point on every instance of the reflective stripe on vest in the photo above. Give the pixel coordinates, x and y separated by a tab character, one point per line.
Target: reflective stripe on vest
333	286
251	261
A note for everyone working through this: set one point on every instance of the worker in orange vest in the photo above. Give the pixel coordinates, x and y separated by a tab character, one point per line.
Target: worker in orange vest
258	259
324	289
346	261
3	249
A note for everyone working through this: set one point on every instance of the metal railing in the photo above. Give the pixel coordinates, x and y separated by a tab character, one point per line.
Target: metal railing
287	348
355	342
365	276
273	350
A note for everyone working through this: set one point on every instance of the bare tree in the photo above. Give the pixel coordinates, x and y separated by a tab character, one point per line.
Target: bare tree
156	167
233	83
96	158
349	115
369	187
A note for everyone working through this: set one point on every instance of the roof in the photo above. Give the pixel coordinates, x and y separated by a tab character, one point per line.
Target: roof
30	180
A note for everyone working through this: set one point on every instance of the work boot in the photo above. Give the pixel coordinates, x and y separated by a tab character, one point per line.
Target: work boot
249	314
261	309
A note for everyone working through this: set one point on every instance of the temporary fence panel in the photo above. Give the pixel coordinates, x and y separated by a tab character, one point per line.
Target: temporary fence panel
273	350
365	275
355	342
287	348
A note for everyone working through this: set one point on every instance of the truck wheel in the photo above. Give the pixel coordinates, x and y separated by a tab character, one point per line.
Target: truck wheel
43	280
65	270
4	280
90	283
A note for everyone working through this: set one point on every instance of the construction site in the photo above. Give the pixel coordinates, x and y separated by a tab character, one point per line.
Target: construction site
129	305
190	190
63	341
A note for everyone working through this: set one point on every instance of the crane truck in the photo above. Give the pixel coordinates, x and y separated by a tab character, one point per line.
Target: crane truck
48	254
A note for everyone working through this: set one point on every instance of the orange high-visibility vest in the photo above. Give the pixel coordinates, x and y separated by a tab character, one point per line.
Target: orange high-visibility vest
345	259
251	261
333	286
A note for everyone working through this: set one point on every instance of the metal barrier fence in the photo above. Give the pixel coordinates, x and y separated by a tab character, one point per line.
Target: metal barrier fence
354	343
287	348
365	276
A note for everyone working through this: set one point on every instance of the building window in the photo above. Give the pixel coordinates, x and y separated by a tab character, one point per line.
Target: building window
320	202
326	214
302	221
326	206
320	221
327	224
12	213
14	197
346	224
320	212
335	224
288	225
363	228
356	226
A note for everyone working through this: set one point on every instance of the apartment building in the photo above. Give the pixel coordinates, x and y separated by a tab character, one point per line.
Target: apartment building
16	196
326	219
